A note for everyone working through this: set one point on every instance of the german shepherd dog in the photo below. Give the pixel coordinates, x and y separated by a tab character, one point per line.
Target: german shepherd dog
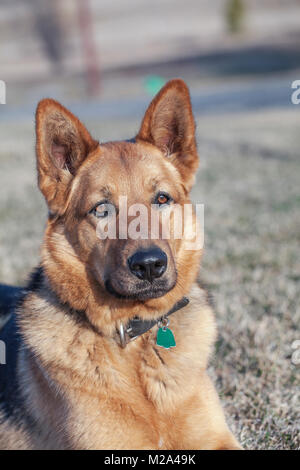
84	367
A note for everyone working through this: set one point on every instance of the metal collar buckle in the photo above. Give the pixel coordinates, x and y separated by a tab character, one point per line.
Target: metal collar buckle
124	337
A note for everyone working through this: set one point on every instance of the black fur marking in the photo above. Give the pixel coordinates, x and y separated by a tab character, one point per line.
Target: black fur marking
11	299
35	280
10	401
209	297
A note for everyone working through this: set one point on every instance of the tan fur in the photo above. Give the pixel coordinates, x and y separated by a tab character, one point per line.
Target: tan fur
82	390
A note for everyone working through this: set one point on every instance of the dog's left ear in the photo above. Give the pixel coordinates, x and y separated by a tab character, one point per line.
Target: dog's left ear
169	125
62	144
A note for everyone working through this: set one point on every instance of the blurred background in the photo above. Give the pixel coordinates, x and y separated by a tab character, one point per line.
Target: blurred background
105	60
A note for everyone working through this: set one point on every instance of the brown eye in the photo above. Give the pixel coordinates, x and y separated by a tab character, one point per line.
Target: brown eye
162	199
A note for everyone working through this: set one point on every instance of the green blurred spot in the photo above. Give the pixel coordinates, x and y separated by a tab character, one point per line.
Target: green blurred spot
235	12
153	83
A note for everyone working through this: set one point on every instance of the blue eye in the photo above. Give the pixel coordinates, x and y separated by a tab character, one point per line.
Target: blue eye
101	210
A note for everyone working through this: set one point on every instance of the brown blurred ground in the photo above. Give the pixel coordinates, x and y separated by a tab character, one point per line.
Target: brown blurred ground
140	37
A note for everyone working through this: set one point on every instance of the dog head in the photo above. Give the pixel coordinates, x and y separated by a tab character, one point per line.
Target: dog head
100	250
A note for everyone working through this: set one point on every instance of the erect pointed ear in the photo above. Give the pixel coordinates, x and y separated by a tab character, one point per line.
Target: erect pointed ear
169	125
62	144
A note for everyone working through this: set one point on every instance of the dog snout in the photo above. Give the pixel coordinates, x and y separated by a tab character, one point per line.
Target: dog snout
148	264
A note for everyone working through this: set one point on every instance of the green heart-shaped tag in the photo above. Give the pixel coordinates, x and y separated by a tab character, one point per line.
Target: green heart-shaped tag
165	338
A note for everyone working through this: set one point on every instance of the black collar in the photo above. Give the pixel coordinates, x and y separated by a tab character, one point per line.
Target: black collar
137	327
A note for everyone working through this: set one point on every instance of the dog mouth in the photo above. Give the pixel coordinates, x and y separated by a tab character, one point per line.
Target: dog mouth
142	294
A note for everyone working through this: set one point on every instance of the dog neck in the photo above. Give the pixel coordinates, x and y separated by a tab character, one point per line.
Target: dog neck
124	333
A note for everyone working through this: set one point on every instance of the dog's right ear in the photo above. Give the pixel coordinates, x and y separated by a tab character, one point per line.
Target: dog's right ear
62	144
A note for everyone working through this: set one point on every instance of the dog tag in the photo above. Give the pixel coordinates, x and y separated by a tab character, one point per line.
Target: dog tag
165	338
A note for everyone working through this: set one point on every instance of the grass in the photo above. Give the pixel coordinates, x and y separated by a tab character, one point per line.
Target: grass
249	183
251	263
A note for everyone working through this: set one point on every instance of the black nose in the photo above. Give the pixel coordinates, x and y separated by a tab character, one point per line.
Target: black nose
148	264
